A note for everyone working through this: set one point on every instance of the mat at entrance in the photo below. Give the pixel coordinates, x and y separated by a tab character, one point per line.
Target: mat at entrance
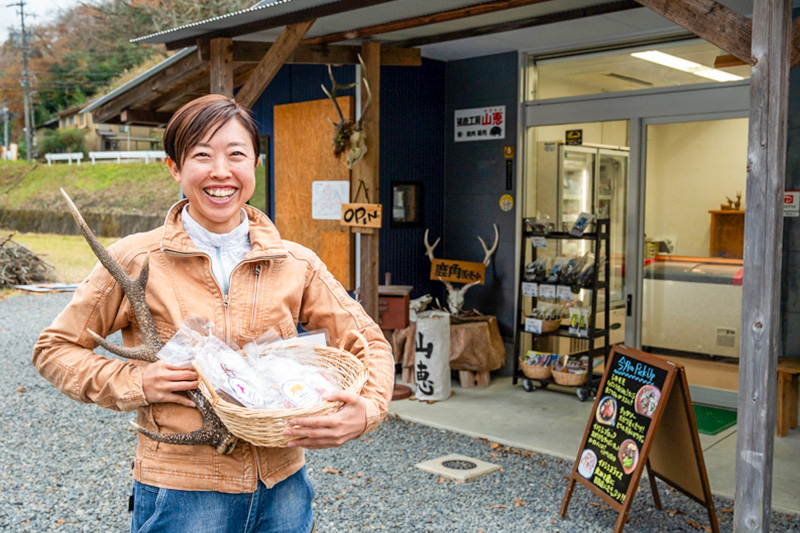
712	420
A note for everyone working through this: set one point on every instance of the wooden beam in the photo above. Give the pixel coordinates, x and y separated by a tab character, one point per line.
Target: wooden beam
763	250
271	63
221	64
561	16
367	170
795	42
317	54
728	60
710	20
149	89
198	81
145	118
424	20
293	17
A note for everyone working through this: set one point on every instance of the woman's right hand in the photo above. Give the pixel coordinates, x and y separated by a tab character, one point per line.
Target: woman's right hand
160	382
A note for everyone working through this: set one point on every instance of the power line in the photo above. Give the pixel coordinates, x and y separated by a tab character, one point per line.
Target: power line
26	90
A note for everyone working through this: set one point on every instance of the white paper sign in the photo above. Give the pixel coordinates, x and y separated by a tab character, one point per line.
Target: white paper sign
538	242
547	291
480	124
533	325
327	198
530	289
564	292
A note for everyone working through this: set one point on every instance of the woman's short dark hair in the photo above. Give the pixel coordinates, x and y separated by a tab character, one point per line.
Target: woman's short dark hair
192	122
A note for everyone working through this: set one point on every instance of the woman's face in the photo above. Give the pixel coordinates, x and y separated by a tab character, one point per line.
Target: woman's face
218	177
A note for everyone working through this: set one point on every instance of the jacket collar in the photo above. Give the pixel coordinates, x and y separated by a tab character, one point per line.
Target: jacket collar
264	237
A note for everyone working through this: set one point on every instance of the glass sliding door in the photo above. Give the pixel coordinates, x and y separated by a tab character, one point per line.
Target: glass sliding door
695	174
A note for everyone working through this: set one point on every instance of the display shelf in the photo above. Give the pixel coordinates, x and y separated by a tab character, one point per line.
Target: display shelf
600	246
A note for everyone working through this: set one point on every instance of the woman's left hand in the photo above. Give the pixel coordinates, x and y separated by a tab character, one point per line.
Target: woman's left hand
329	431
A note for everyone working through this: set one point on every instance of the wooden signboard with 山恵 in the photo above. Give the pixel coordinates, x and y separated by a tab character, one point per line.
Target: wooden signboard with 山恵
642	416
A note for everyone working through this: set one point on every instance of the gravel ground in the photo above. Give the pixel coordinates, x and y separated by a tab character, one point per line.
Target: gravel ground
65	466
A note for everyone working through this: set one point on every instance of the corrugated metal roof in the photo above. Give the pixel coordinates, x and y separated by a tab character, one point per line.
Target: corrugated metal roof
260	11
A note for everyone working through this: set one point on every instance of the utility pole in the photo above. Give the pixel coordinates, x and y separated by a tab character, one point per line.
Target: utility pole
26	88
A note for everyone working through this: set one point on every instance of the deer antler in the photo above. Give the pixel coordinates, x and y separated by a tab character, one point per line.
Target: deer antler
430	248
213	431
348	135
488	257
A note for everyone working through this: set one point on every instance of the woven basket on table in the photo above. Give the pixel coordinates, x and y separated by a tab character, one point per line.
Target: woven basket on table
535	371
265	427
567	378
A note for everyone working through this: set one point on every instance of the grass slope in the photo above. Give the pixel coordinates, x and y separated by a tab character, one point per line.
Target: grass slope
127	188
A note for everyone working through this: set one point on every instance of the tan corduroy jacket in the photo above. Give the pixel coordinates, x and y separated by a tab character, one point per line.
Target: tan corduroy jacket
278	285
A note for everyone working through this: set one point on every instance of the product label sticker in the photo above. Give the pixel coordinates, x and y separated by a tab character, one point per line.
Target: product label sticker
538	242
243	391
564	292
299	393
530	289
533	325
547	291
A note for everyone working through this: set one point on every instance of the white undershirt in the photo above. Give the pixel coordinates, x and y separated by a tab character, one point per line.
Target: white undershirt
226	250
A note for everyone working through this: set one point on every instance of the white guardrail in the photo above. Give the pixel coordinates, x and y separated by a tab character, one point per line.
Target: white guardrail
131	155
64	157
119	157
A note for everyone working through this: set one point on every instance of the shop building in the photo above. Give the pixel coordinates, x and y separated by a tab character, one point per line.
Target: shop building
651	120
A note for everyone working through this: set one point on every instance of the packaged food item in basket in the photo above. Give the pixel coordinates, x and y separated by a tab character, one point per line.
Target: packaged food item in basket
180	350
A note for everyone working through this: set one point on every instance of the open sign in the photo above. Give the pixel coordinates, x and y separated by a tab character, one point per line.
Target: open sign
362	215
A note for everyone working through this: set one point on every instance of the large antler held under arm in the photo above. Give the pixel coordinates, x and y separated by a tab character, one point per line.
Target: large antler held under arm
213	432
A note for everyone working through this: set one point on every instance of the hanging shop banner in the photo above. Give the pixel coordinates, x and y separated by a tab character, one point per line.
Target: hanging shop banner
362	215
480	124
635	400
432	356
457	271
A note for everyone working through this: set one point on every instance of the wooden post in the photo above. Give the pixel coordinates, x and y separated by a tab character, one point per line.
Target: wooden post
221	64
367	170
760	337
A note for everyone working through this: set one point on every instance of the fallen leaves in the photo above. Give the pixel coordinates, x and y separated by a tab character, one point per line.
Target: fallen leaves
519	503
497	507
22	389
60	522
331	471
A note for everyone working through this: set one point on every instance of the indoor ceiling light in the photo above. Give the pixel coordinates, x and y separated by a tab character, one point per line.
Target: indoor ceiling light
697	69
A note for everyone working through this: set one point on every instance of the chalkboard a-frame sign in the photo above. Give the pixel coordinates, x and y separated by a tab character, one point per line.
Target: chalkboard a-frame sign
642	416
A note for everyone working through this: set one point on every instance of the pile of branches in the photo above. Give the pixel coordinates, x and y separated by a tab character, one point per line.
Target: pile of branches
20	266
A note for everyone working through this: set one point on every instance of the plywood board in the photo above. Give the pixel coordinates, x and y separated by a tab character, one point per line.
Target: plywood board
304	154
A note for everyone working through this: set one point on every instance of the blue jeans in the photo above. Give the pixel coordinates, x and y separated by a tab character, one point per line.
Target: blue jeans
285	508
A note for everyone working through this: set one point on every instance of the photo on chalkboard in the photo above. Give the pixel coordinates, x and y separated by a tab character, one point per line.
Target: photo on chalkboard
628	456
647	400
587	464
607	411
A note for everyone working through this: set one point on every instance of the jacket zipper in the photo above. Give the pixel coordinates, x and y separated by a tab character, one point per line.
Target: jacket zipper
257	272
225	298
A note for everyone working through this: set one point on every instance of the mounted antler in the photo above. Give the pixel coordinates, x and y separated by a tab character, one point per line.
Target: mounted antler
455	297
213	432
349	136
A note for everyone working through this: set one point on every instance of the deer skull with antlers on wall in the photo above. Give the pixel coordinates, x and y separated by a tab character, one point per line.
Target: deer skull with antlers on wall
455	297
349	136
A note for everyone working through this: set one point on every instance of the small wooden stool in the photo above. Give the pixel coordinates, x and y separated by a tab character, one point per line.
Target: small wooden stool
468	378
788	374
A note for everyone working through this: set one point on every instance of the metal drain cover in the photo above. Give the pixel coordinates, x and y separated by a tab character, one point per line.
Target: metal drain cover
459	467
457	464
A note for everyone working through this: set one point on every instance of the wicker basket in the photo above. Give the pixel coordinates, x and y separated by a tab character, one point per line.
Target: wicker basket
265	427
549	326
535	371
567	378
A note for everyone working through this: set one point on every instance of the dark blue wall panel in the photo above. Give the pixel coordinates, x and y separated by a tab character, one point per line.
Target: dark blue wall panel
411	149
475	180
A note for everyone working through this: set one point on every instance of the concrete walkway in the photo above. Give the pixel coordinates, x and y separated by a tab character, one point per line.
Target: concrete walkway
553	422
